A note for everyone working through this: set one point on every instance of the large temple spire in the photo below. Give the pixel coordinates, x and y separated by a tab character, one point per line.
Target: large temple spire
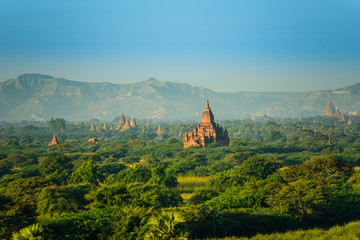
122	119
207	116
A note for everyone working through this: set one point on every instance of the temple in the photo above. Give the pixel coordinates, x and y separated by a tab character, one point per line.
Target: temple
207	132
132	122
126	126
121	121
331	111
159	131
54	141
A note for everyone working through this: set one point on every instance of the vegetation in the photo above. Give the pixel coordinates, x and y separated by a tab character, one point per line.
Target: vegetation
276	180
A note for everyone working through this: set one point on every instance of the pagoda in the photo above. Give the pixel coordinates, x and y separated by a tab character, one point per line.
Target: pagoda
132	122
207	132
126	126
121	121
253	118
331	111
54	141
159	131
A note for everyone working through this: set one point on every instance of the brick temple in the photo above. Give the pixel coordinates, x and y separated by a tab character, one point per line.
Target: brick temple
207	132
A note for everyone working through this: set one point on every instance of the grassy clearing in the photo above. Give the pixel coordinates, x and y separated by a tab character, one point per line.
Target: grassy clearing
186	196
350	231
190	183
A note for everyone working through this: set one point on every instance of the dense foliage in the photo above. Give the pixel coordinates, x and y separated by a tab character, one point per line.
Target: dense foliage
275	176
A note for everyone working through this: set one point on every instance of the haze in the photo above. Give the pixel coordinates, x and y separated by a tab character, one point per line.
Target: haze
227	46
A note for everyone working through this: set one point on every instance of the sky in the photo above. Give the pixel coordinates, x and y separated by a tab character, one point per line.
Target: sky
224	45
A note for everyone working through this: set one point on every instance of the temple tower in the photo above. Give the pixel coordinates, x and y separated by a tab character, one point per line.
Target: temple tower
121	121
132	122
332	112
126	125
54	141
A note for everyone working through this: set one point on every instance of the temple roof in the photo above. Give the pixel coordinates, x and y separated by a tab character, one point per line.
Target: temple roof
329	108
122	118
54	141
207	116
132	122
127	123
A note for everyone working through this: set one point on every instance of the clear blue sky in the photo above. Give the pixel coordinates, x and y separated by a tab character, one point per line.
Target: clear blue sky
226	45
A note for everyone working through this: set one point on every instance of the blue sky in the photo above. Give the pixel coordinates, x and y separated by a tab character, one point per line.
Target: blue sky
228	45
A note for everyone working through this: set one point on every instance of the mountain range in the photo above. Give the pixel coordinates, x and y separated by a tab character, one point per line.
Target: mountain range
40	97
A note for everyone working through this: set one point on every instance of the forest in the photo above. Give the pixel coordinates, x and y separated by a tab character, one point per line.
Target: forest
277	179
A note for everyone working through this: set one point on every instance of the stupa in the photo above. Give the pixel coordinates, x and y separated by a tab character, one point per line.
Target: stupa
54	141
331	112
132	122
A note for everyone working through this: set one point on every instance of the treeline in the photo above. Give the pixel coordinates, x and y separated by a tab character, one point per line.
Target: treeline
274	177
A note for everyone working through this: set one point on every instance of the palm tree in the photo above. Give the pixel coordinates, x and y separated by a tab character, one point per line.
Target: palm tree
166	228
32	232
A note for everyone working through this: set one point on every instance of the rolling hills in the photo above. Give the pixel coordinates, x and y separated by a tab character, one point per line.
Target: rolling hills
36	96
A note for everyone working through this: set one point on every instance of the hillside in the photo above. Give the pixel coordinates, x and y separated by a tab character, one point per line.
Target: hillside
36	96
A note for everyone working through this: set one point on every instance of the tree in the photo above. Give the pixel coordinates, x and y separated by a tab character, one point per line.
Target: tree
107	195
159	176
56	124
51	203
137	173
322	169
56	168
32	232
131	223
5	167
87	157
166	227
259	167
300	199
149	160
58	200
89	172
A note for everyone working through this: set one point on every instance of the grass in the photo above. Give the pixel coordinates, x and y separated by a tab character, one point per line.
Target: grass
350	231
186	196
190	183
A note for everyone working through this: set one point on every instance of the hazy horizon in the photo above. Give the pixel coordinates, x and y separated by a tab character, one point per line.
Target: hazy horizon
231	46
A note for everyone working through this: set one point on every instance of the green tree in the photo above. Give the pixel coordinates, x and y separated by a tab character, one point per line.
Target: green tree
300	199
149	160
57	168
56	124
87	157
159	176
107	195
5	167
130	223
166	227
89	172
32	232
137	173
58	200
259	167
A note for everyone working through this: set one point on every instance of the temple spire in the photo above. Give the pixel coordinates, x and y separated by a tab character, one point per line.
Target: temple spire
54	141
122	119
207	116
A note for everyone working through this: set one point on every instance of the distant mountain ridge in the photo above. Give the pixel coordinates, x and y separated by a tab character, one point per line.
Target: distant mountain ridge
36	96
